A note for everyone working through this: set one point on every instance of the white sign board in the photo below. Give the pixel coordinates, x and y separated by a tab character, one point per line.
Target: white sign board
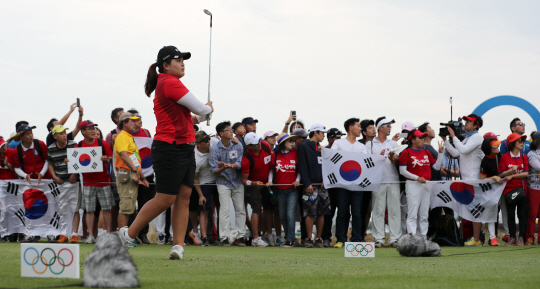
84	160
50	260
359	249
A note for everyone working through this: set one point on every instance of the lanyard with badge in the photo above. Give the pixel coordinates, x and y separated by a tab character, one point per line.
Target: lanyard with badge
135	159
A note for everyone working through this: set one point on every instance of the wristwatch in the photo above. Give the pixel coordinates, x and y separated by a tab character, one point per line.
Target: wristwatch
287	123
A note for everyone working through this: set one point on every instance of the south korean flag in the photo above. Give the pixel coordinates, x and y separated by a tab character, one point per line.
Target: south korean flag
473	201
84	160
352	171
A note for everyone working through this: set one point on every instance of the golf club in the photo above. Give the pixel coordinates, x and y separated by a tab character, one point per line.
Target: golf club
209	61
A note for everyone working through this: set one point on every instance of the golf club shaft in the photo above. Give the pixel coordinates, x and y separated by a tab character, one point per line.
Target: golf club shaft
209	68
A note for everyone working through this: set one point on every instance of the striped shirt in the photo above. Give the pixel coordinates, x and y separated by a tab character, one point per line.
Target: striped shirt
56	157
231	155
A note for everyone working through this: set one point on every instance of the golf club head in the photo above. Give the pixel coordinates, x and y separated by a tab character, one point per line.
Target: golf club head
207	12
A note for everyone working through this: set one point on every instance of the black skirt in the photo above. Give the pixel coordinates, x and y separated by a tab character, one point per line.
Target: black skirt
174	165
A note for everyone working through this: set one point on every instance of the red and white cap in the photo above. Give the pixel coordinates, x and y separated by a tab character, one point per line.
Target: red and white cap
252	139
87	123
2	142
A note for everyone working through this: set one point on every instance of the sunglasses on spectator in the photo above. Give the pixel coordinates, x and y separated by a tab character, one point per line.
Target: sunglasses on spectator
419	137
386	125
519	140
520	124
90	128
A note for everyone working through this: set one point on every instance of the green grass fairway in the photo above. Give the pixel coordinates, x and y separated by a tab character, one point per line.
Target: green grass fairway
235	267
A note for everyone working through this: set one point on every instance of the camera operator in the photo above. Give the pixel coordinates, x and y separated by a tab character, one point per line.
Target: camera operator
470	156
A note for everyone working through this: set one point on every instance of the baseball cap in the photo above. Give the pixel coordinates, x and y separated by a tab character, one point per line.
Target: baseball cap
473	117
2	142
249	120
385	121
252	139
58	129
514	137
87	123
318	127
417	133
127	115
269	133
25	127
201	136
300	132
408	126
334	132
490	135
170	52
365	123
495	143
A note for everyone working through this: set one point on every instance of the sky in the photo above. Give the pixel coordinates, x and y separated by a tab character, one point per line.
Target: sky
328	60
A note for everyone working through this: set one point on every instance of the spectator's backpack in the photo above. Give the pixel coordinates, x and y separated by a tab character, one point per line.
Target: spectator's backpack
250	158
446	231
37	147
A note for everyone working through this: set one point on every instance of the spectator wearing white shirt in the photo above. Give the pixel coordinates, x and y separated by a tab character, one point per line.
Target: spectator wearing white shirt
349	200
201	196
470	156
389	192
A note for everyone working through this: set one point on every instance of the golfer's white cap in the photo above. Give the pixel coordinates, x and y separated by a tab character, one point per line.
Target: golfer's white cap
318	127
252	139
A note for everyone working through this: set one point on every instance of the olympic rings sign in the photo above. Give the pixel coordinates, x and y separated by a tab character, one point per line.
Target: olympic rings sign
359	249
50	260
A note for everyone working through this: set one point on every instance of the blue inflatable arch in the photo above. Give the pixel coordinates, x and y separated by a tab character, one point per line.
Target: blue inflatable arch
509	100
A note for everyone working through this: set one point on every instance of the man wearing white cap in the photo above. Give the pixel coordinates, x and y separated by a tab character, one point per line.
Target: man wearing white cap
255	170
316	202
388	194
349	200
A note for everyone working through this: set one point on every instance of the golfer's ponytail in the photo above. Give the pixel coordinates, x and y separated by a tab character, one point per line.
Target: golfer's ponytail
151	80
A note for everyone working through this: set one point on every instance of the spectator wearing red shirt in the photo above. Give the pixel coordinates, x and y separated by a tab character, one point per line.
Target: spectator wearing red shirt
96	186
284	173
30	161
6	170
415	164
514	169
173	148
255	170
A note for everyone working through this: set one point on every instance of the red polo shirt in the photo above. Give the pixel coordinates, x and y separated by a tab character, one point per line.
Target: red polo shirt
5	173
261	168
32	161
173	120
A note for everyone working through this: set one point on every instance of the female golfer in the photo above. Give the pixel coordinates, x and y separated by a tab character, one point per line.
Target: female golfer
173	155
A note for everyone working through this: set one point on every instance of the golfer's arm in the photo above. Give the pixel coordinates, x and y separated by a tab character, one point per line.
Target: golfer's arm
194	105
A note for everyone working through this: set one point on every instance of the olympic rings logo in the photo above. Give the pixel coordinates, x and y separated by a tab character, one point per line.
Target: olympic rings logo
363	250
48	263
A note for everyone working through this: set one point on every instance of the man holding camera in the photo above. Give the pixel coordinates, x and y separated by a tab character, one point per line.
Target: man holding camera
470	156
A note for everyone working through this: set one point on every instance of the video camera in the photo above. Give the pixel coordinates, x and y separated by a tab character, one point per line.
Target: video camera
457	126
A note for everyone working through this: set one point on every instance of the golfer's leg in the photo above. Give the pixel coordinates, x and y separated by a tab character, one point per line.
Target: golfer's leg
150	210
180	215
